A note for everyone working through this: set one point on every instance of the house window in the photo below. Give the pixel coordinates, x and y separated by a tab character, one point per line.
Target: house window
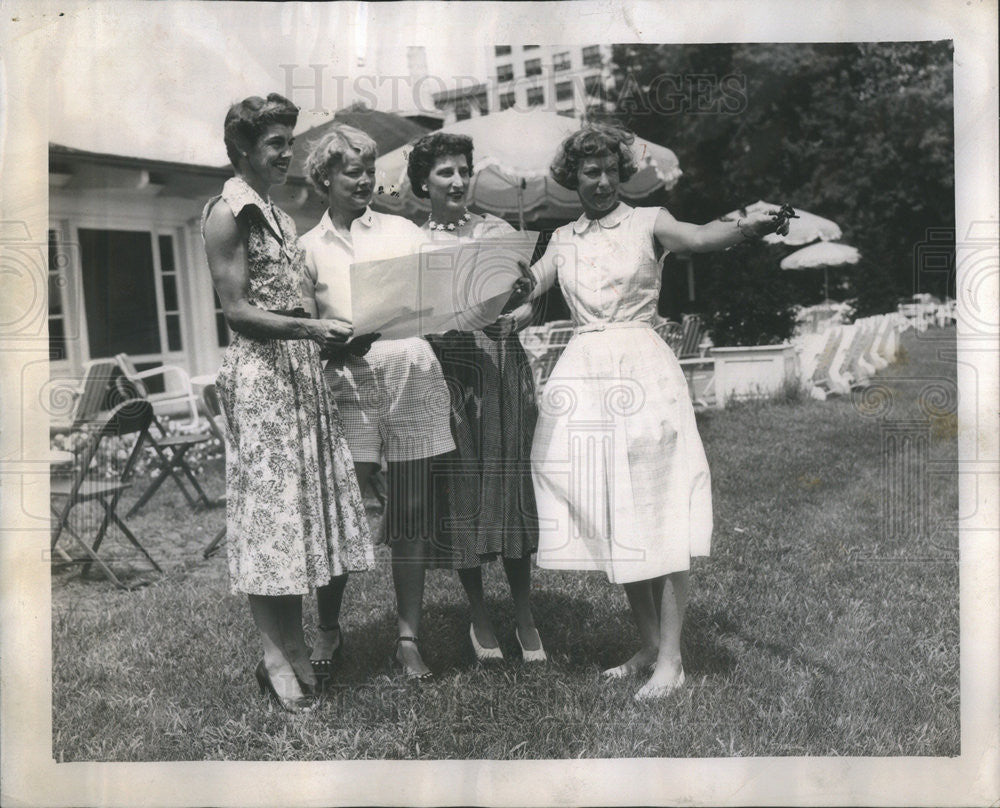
462	112
129	309
505	73
57	314
501	50
168	282
560	61
594	85
564	90
506	101
592	56
530	47
533	67
536	96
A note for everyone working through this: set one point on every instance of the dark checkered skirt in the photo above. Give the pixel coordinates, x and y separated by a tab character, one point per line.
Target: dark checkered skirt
484	495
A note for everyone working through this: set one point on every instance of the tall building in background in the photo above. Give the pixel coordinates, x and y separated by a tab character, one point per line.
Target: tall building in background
569	79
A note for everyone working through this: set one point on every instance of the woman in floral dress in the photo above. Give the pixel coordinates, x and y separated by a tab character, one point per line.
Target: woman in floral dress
295	517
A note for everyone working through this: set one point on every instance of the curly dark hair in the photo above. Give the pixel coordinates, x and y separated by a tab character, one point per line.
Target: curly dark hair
425	152
593	140
247	120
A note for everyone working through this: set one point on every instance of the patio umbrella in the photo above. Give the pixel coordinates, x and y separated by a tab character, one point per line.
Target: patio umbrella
825	254
512	152
807	228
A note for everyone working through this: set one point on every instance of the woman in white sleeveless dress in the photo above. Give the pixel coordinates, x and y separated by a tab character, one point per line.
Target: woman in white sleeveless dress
621	479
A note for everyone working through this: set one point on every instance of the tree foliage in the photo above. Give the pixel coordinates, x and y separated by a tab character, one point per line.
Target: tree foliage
861	133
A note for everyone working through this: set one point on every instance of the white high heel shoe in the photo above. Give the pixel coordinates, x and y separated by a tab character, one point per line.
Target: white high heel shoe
484	654
531	656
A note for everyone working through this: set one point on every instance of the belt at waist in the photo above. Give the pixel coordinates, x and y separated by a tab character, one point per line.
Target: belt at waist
588	327
297	312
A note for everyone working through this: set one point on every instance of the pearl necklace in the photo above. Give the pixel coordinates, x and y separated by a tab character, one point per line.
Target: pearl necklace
465	218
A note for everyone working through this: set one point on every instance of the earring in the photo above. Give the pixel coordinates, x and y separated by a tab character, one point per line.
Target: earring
326	183
424	186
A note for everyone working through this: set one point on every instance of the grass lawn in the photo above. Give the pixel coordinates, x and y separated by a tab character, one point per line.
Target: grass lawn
817	627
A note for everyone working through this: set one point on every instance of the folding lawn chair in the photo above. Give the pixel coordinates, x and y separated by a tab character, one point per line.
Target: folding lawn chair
170	448
79	486
216	424
89	398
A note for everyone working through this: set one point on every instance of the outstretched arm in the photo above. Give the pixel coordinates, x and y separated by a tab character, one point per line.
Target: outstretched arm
225	245
684	237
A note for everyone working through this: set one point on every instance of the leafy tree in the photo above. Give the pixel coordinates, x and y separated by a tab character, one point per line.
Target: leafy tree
859	132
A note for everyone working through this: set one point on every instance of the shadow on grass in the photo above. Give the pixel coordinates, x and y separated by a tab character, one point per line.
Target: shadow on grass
712	624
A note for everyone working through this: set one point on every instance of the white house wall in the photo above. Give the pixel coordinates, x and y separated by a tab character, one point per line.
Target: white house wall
139	209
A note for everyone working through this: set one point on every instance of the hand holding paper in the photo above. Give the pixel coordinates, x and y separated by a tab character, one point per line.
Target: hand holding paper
463	286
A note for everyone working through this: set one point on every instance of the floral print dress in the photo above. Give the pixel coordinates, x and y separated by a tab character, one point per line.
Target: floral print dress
294	513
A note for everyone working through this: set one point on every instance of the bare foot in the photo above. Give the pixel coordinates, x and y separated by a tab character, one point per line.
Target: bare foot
641	660
664	681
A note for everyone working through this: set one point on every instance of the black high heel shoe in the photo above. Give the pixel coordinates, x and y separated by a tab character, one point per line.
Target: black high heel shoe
401	667
323	668
303	704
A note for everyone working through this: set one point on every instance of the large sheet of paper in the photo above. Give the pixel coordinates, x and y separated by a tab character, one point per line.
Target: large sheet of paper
463	286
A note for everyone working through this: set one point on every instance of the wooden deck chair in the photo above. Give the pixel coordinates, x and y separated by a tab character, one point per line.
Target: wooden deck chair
844	372
867	364
888	347
170	448
672	333
558	336
820	383
128	418
693	332
216	423
874	355
809	347
89	398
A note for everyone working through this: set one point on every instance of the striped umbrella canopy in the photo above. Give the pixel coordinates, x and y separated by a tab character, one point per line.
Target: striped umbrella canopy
513	150
807	228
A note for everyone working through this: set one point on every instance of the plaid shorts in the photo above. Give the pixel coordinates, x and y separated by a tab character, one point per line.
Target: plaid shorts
393	401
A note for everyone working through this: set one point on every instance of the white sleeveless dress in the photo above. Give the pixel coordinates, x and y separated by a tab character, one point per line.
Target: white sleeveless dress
621	479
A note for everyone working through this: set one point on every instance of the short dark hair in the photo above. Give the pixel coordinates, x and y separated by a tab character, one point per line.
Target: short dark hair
248	119
593	140
425	151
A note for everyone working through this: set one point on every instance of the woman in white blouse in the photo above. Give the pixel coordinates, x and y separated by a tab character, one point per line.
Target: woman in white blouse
621	479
